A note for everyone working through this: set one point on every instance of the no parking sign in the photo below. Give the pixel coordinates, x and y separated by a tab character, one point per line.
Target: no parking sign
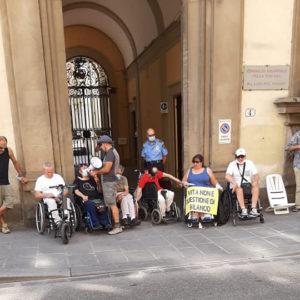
225	131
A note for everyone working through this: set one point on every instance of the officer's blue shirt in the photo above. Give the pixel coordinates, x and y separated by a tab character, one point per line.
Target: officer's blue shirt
155	151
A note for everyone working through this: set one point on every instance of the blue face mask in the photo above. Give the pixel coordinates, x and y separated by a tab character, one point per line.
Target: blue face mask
118	176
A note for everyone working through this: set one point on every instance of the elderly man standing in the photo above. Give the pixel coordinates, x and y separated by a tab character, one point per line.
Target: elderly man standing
109	180
154	151
6	194
294	145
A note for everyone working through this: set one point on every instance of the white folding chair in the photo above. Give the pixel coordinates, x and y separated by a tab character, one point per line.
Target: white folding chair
277	195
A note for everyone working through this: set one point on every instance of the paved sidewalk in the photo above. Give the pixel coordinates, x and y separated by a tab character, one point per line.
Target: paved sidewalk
25	253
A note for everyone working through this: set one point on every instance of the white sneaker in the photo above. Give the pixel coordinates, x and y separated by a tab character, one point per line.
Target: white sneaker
116	230
254	212
5	229
244	212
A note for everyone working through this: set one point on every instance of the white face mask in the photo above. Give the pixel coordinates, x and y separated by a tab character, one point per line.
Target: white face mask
118	176
151	138
85	173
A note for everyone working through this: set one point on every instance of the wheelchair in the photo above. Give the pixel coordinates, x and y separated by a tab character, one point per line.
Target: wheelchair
45	221
149	206
85	220
221	218
235	209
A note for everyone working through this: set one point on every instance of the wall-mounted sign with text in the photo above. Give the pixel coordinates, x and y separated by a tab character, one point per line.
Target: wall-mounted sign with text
266	77
225	131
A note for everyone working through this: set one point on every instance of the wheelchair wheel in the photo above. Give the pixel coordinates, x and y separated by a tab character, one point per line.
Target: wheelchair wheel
65	232
261	219
73	217
40	218
142	213
79	217
156	216
189	224
178	213
234	221
224	208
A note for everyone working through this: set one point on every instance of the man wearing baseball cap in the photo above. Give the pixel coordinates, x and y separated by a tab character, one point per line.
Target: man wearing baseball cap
239	171
108	173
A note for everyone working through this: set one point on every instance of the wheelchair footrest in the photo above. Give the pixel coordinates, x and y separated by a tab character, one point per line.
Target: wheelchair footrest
248	217
171	218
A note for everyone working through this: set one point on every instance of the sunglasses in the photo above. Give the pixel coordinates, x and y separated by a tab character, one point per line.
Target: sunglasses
241	156
2	148
196	161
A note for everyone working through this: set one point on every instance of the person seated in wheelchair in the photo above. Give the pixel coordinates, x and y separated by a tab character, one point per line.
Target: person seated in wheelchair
51	196
88	189
242	172
200	175
125	199
153	175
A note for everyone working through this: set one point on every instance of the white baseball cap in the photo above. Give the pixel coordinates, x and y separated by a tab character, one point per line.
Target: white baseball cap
240	151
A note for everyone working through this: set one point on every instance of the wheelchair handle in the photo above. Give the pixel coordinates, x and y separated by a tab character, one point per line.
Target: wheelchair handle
61	186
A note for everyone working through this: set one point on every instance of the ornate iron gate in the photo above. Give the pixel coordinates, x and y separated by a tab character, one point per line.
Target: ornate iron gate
89	102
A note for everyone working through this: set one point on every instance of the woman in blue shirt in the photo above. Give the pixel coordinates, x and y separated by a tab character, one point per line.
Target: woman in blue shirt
200	175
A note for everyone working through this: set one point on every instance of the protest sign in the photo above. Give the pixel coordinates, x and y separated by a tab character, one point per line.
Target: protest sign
202	199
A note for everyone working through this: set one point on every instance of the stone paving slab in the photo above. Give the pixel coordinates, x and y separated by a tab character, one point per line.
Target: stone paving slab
24	252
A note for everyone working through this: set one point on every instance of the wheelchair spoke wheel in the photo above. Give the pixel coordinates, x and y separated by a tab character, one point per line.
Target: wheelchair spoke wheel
40	219
142	213
156	216
65	232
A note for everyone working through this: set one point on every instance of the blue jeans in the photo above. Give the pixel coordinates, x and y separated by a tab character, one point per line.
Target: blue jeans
91	208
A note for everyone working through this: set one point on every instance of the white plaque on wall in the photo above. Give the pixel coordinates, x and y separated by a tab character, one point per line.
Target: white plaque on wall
266	77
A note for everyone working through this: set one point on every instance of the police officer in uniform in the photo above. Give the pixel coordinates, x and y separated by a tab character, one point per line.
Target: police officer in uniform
154	151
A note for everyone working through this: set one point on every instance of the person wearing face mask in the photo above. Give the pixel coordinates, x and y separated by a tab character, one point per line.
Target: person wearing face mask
125	199
239	171
6	193
153	175
88	189
154	151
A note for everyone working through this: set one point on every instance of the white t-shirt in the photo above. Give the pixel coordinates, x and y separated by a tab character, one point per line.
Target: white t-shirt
236	173
43	183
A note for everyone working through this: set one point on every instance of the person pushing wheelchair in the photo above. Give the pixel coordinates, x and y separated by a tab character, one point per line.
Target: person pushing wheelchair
239	172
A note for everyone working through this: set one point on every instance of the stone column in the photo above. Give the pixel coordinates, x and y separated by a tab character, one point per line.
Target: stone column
35	63
211	78
195	68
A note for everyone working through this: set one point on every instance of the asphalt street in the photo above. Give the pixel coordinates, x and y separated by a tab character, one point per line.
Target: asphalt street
275	279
